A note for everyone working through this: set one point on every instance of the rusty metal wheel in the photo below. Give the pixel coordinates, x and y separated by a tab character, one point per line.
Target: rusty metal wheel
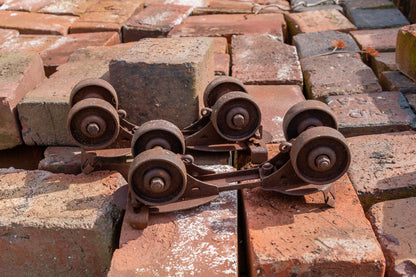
320	155
235	116
220	86
306	114
157	177
156	133
93	123
93	88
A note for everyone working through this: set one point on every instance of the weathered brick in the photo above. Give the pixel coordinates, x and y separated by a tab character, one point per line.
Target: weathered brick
319	43
106	16
220	45
377	18
34	43
20	72
389	170
168	75
383	62
394	224
56	224
59	52
410	95
405	51
24	5
301	236
222	64
156	20
35	23
192	3
338	74
255	63
227	25
67	7
382	40
272	115
312	5
61	159
395	80
50	100
371	113
369	4
320	20
196	242
6	35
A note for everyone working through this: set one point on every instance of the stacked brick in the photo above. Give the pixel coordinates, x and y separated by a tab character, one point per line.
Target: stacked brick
356	56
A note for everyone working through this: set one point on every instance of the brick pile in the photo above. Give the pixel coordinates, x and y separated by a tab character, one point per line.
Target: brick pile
356	56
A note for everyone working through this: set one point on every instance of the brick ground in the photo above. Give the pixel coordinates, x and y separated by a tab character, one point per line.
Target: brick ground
377	18
319	43
266	98
57	224
383	62
34	23
50	100
255	64
382	40
289	235
405	54
20	72
371	113
196	242
393	222
315	21
156	20
389	170
59	52
24	5
395	80
155	69
338	74
106	16
35	43
228	25
6	35
67	7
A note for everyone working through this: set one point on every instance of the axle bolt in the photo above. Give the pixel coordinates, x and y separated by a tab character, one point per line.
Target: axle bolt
93	129
323	162
157	184
238	120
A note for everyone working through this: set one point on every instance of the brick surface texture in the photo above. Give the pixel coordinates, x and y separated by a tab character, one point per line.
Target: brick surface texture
382	40
57	224
154	70
255	64
405	54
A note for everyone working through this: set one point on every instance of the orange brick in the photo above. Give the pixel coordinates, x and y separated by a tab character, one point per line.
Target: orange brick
382	40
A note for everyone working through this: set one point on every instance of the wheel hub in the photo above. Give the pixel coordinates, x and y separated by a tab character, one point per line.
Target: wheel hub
93	126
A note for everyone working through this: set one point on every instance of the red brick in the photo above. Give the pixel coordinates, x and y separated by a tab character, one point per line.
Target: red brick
394	224
50	100
59	52
395	80
220	45
371	113
67	7
272	115
34	43
156	20
320	20
24	5
34	23
20	72
383	62
192	3
62	159
390	164
221	64
288	236
196	242
338	74
227	25
57	224
6	35
254	62
405	51
236	7
106	16
382	40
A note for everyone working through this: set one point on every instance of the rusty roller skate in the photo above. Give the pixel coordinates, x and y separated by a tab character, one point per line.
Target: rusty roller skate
314	156
231	121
